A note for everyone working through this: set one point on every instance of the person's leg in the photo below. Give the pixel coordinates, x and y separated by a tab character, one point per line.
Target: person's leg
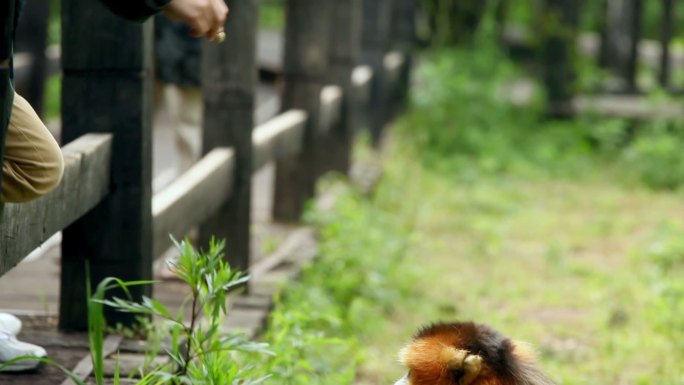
33	162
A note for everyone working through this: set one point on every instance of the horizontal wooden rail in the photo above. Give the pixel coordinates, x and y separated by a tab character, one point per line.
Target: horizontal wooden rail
86	182
279	138
192	198
199	192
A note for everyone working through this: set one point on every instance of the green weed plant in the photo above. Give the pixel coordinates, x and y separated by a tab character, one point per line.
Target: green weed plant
200	353
318	327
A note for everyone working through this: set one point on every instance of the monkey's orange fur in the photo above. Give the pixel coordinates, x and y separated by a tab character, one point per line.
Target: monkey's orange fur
469	354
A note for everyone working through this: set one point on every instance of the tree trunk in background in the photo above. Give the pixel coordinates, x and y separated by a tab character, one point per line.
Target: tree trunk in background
559	52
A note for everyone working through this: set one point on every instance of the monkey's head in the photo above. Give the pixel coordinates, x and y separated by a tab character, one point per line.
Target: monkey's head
465	353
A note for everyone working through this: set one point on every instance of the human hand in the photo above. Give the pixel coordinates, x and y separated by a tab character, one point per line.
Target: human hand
205	17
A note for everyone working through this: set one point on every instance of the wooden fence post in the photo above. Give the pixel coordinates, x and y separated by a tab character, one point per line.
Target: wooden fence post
345	42
229	75
305	69
32	34
635	38
665	39
619	41
377	15
404	36
107	88
559	51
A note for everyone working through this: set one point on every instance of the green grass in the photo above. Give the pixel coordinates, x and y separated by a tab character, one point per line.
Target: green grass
272	15
566	265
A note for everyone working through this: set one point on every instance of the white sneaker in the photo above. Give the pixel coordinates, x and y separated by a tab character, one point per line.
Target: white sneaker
10	324
11	348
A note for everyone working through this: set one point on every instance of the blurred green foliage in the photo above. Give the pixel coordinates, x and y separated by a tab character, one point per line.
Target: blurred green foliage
462	120
317	328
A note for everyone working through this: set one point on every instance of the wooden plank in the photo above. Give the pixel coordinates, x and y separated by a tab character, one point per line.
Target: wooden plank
628	107
282	254
26	226
307	48
229	74
193	197
107	87
85	367
279	138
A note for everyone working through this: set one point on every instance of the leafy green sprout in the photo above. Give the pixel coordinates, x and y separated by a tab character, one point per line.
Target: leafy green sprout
199	352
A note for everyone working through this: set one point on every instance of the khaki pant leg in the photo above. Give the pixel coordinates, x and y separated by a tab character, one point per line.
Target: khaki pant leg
33	164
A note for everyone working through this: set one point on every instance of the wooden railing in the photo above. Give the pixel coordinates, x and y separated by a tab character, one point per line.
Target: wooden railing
110	219
619	47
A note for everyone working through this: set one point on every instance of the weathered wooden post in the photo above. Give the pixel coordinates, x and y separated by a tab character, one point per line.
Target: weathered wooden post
229	75
562	18
377	15
665	39
619	41
345	52
32	35
305	69
635	38
107	88
404	37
